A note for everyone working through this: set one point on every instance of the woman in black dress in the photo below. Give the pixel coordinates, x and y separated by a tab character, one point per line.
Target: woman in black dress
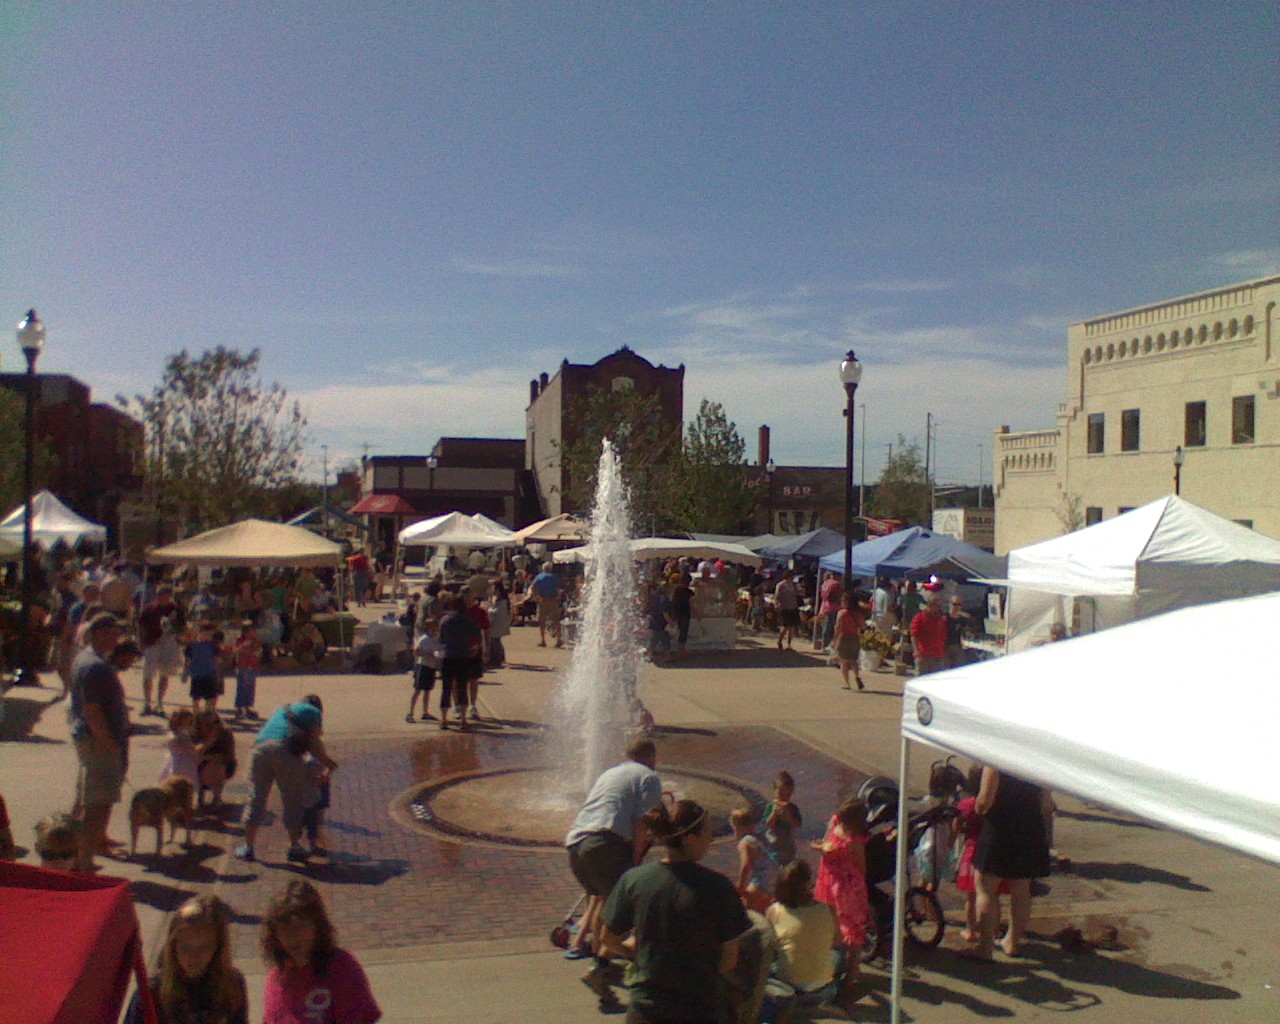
1013	846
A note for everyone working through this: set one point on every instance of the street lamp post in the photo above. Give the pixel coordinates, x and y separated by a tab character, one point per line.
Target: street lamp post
432	462
769	469
1177	470
850	375
30	340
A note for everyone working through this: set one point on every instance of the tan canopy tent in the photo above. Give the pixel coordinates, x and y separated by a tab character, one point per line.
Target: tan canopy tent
252	542
557	529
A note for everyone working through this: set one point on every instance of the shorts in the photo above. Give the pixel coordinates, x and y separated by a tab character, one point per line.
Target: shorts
424	678
682	628
847	648
789	617
476	668
164	658
100	778
598	860
204	687
548	609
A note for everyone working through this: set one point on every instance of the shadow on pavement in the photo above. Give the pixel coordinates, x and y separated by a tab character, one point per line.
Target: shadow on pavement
352	869
1103	871
20	713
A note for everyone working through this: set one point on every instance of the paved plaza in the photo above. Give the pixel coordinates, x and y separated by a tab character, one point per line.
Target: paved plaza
455	929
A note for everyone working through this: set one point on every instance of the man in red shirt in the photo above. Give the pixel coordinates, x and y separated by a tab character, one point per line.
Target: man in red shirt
929	633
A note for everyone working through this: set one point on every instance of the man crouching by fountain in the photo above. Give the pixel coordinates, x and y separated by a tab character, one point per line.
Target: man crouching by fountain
608	838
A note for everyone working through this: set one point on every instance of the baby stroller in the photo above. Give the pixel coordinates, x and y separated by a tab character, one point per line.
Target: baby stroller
922	918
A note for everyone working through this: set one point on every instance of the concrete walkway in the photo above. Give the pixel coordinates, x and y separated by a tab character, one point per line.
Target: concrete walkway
455	933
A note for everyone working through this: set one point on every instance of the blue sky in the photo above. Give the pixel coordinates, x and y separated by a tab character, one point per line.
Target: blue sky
415	208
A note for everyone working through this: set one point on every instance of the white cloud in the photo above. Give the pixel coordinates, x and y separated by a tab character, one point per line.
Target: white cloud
1250	262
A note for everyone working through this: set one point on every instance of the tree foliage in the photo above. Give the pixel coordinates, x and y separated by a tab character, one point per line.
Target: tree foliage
903	490
646	444
1070	512
710	491
219	442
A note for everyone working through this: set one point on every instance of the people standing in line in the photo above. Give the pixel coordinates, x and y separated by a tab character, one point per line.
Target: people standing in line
100	731
929	634
311	977
194	981
459	636
1013	846
546	589
786	598
687	921
160	624
293	730
607	839
848	632
842	875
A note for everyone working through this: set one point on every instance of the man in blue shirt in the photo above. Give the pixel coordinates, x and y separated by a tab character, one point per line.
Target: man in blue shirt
546	589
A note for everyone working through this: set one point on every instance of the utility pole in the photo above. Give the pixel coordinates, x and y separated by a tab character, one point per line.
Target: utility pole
980	474
928	452
324	501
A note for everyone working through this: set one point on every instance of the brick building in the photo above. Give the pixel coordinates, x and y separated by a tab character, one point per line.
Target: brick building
97	448
556	406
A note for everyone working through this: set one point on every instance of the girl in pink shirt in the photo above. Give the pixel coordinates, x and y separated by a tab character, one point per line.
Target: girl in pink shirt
312	981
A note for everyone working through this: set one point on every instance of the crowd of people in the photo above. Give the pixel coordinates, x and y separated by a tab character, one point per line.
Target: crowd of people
702	946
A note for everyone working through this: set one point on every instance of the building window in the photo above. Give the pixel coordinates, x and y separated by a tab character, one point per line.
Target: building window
1125	508
1092	515
1244	522
1130	421
1242	419
1097	432
1195	433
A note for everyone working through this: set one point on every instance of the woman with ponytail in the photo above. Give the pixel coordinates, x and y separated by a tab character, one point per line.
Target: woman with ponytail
686	919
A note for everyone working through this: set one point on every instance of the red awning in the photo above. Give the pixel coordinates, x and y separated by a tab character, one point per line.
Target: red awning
383	505
68	946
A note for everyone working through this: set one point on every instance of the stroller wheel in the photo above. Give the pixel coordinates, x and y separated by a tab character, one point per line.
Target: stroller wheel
923	917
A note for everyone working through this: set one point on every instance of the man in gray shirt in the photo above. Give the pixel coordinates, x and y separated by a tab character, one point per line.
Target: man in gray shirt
607	839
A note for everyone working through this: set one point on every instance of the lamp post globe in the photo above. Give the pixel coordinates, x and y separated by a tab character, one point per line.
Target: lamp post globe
850	377
31	336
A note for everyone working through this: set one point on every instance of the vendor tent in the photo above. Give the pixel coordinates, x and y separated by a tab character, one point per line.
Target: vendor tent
457	529
252	542
69	945
669	547
51	523
916	552
320	517
1121	718
1165	555
557	529
813	544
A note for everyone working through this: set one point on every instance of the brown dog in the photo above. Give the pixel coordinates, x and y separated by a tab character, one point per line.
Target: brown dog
172	801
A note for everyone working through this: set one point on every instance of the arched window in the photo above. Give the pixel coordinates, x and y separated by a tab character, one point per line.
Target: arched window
1217	331
1248	325
1111	351
1233	328
1203	336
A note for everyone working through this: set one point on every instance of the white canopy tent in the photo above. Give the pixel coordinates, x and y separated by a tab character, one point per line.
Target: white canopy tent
251	542
1165	555
557	529
458	529
668	547
51	523
1106	718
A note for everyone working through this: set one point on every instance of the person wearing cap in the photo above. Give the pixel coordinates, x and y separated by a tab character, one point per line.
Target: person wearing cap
100	731
929	633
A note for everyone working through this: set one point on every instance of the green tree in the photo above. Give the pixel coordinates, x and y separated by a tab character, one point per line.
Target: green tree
1070	512
646	444
13	449
219	442
903	490
710	491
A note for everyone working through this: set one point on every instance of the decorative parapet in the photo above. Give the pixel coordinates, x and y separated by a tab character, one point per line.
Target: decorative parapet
1029	451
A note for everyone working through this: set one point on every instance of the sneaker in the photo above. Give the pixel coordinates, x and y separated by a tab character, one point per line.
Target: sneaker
244	852
145	712
444	721
409	718
475	711
427	716
298	854
253	715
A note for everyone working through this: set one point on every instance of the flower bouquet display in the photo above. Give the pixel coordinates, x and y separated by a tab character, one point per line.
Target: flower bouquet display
875	647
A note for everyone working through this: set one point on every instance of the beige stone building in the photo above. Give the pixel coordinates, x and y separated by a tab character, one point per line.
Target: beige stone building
1196	377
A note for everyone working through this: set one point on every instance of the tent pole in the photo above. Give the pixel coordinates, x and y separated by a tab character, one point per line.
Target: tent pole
899	887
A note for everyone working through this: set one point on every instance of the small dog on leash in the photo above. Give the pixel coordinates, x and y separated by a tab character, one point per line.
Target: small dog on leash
172	801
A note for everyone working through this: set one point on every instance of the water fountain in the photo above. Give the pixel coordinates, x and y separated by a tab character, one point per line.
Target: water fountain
533	805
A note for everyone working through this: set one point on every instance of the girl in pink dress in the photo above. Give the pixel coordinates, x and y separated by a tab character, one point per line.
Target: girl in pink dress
969	825
842	880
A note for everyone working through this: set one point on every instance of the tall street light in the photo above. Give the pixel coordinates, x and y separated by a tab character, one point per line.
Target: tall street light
30	340
850	375
1177	469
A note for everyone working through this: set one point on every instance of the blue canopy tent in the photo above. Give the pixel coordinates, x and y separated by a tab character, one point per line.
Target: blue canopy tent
813	544
917	552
